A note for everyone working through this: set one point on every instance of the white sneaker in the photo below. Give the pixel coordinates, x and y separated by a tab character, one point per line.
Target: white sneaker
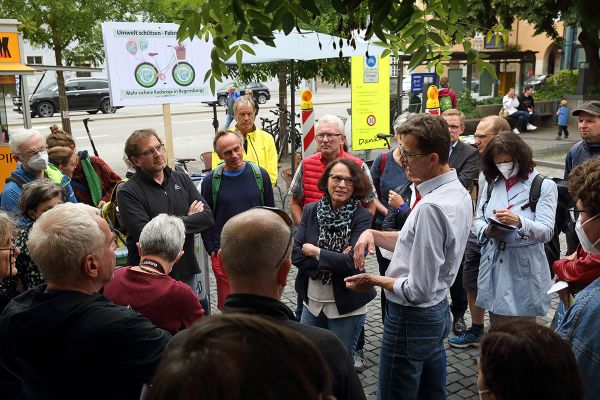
531	127
516	131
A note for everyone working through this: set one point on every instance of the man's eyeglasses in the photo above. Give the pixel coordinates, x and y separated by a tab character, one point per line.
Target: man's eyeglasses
288	221
339	179
329	136
406	155
157	149
13	250
34	152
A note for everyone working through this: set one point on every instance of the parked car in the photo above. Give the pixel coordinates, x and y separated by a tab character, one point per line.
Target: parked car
260	92
537	80
83	94
474	84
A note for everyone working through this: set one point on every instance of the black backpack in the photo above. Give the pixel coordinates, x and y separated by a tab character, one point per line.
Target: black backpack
562	218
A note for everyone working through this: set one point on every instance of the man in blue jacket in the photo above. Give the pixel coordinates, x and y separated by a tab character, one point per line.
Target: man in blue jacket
232	96
29	149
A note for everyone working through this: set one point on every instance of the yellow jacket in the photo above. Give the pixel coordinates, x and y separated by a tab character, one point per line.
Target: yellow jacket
261	151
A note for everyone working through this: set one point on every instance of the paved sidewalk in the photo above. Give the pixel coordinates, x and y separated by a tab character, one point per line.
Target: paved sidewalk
461	367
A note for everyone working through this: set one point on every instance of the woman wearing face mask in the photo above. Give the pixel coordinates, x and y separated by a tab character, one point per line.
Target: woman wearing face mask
514	276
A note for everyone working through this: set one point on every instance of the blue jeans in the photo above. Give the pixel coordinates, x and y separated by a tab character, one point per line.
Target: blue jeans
347	329
228	119
413	360
522	118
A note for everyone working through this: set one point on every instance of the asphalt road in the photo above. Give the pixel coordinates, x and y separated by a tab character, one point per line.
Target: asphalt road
192	125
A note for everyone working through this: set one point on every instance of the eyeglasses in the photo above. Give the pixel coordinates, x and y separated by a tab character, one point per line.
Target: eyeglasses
480	136
454	127
406	155
288	221
34	152
329	136
157	149
13	251
339	179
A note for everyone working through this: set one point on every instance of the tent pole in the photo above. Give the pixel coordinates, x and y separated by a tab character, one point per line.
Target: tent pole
293	117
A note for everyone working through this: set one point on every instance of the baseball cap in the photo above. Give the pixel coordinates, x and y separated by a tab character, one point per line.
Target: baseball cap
590	107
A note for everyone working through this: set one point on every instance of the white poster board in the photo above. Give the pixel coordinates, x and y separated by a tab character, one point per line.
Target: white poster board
148	65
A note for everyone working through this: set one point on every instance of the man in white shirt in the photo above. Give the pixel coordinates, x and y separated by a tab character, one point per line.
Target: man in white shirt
427	254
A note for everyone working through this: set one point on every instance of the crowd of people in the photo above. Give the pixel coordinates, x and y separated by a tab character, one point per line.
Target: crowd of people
454	227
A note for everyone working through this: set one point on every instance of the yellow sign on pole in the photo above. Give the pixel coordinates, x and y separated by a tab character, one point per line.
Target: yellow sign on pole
9	47
7	164
370	101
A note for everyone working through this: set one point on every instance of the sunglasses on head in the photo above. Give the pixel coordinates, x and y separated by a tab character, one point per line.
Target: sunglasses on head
288	221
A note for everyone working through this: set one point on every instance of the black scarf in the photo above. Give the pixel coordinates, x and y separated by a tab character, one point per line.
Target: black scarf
334	225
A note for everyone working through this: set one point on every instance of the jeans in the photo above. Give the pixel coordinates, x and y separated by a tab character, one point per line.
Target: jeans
223	288
347	329
228	120
522	118
458	295
413	360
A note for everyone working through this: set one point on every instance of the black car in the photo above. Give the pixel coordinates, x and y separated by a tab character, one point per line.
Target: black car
83	94
260	92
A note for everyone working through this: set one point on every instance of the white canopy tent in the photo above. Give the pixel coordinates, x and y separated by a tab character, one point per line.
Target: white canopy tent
303	46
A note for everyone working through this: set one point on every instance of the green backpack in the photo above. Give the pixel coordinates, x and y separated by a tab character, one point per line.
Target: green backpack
216	182
445	103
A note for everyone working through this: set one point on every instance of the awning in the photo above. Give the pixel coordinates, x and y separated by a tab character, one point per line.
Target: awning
15	69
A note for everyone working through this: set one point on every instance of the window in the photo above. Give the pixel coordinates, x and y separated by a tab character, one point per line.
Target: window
71	86
34	60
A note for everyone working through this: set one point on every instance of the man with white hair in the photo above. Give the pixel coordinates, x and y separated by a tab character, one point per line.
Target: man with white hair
330	137
29	149
148	288
65	335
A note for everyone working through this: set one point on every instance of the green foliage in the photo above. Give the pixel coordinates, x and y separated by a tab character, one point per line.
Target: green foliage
490	100
558	85
427	32
466	103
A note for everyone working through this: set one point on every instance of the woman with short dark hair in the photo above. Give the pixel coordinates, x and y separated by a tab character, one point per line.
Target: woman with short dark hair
322	252
522	361
37	197
514	276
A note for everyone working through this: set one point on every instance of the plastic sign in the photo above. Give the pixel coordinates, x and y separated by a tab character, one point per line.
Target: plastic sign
370	101
9	47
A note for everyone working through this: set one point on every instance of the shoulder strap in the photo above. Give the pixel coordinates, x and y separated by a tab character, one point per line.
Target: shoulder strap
490	188
534	192
382	163
259	180
216	184
16	179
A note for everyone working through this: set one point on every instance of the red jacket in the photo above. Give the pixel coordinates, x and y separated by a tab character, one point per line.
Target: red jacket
581	271
312	169
448	92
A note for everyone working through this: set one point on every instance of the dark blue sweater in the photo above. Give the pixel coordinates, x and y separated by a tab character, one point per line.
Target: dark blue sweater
236	195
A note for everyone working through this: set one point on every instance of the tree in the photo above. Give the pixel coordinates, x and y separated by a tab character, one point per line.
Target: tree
71	28
544	14
426	32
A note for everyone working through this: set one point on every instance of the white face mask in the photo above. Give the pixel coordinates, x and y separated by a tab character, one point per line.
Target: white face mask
586	243
507	170
38	162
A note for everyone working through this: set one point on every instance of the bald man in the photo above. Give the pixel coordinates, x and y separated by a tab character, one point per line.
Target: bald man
255	252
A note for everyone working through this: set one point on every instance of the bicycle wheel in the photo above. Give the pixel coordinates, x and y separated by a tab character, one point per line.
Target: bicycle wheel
184	74
146	75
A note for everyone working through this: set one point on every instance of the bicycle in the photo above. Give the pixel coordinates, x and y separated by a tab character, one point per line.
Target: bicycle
181	164
147	74
284	142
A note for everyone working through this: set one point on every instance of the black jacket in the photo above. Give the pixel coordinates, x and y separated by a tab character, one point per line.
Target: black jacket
341	265
346	384
141	199
73	345
465	160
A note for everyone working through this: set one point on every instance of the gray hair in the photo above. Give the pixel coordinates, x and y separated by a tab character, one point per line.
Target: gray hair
20	136
252	243
401	120
36	192
242	101
222	133
330	118
62	237
163	236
